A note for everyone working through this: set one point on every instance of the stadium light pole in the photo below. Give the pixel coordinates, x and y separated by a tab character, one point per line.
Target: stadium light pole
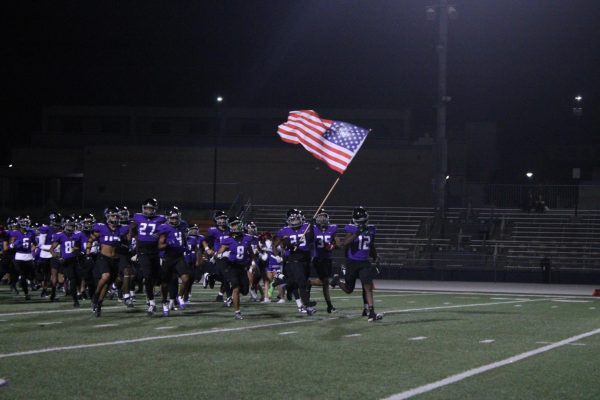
443	11
218	132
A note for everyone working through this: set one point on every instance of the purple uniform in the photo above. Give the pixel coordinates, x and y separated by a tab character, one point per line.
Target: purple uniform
217	236
360	248
69	245
193	246
295	237
175	239
240	251
107	236
84	236
147	237
324	241
23	244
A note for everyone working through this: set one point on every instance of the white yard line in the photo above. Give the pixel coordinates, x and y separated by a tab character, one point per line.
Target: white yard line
459	306
217	330
153	338
476	371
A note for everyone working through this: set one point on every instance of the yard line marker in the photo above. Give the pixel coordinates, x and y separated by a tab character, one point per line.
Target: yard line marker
49	323
353	335
459	306
592	308
83	309
154	338
571	301
165	327
517	305
487	341
484	368
288	333
105	325
447	303
418	338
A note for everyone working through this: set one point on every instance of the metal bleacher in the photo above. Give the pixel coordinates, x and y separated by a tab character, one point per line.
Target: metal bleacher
471	244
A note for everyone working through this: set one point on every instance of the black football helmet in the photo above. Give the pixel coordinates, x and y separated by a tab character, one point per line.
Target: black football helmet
112	215
294	218
251	228
124	215
174	216
235	224
55	220
87	222
360	216
12	223
193	230
322	218
70	224
24	221
220	218
36	227
149	207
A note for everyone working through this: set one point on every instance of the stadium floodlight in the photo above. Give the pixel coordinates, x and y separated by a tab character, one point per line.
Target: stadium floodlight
219	99
529	174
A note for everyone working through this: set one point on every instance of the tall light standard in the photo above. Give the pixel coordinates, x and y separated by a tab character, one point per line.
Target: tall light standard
443	12
218	132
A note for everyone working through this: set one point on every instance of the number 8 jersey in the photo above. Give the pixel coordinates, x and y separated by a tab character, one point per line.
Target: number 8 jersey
360	248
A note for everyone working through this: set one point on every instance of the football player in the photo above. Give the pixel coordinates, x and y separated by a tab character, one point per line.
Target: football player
126	273
107	262
23	241
49	266
324	244
270	264
89	261
212	243
66	248
296	238
172	241
237	251
143	229
359	245
8	255
254	273
194	256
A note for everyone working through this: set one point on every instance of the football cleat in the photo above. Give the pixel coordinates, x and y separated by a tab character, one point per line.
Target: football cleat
365	312
98	309
165	309
238	316
281	301
310	311
205	279
128	302
228	302
182	303
302	309
331	309
374	317
151	310
266	300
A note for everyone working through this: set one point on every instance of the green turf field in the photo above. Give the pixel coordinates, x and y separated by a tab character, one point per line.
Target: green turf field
52	351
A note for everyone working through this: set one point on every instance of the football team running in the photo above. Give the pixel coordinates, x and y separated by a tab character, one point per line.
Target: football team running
127	255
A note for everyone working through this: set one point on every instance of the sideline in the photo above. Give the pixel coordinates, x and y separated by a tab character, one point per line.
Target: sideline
476	371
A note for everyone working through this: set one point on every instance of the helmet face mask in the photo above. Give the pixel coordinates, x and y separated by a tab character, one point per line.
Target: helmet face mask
322	218
12	223
294	218
55	220
220	218
360	216
87	222
24	221
251	228
112	216
70	225
149	207
236	226
174	216
193	230
124	214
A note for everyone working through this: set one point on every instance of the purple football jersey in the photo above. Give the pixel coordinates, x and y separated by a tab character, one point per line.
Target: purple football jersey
360	248
324	239
216	236
295	237
84	236
24	241
146	229
175	239
45	240
68	245
107	236
193	246
240	250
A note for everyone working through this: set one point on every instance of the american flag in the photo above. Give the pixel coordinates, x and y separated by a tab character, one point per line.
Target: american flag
334	142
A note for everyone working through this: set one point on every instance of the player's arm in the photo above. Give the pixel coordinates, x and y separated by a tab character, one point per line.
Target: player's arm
162	241
53	251
90	242
222	249
132	232
209	252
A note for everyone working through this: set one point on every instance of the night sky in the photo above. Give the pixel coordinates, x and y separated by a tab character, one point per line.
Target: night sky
518	63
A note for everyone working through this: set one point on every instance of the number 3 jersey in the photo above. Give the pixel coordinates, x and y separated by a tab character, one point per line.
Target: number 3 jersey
360	248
